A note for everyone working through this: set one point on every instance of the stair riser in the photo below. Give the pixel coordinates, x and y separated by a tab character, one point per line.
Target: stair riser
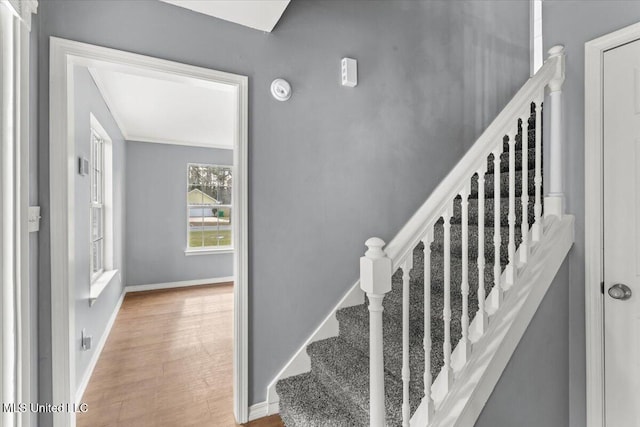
531	138
504	185
354	320
304	402
351	330
456	242
489	212
530	161
345	370
393	300
344	396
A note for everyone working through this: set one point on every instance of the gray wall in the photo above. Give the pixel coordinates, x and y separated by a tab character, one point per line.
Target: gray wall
156	214
534	388
492	39
94	319
573	23
344	164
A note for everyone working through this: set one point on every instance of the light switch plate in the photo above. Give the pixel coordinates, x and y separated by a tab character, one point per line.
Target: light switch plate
34	218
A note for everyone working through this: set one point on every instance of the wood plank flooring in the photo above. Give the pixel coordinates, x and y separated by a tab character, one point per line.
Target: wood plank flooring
168	363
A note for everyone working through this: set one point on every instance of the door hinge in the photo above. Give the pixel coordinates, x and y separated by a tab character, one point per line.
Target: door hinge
602	287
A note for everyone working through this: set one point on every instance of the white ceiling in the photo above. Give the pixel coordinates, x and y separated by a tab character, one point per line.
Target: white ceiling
183	111
259	14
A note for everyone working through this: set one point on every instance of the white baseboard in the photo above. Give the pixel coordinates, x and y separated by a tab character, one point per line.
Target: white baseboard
98	350
184	283
300	361
262	409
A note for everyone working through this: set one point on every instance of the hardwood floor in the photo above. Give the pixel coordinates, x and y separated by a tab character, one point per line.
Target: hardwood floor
167	362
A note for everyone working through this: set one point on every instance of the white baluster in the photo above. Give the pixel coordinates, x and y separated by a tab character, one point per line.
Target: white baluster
375	280
497	240
511	246
482	312
427	400
524	196
406	372
447	371
464	343
554	201
536	229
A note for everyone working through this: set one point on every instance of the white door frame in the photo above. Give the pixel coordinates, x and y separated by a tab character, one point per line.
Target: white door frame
64	55
594	238
15	334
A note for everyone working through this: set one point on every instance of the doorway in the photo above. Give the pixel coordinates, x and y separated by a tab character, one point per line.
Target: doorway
612	209
65	164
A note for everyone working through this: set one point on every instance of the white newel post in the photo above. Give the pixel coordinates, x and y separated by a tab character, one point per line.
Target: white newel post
375	281
554	201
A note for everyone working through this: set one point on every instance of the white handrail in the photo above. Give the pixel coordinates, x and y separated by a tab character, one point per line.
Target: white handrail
409	236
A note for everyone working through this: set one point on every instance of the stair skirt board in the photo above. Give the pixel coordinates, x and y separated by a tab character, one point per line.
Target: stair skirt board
300	362
466	400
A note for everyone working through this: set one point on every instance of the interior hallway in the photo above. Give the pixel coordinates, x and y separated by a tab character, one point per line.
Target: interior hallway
167	362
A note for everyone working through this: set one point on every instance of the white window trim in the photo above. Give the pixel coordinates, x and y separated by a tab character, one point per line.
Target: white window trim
209	250
64	55
100	284
100	281
15	308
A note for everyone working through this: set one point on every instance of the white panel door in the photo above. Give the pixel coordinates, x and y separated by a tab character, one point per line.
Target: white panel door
622	235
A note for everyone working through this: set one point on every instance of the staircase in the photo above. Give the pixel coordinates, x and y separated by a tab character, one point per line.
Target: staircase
445	316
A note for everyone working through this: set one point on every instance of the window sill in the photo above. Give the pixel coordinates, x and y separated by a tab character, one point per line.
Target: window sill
208	251
100	284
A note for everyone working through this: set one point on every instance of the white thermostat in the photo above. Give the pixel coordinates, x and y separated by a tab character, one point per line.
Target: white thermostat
349	72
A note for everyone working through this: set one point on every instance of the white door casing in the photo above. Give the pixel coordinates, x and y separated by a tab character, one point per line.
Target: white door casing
594	221
15	334
621	211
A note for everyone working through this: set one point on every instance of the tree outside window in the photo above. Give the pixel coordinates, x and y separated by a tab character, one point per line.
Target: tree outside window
209	206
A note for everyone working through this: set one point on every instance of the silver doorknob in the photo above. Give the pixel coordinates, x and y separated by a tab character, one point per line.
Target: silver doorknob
620	291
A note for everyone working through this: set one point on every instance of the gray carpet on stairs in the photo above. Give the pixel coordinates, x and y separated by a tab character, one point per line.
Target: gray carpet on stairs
336	391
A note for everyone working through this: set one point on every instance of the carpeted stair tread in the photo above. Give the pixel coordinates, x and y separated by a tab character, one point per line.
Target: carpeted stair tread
354	320
393	300
530	161
345	370
392	303
354	328
504	185
305	402
456	241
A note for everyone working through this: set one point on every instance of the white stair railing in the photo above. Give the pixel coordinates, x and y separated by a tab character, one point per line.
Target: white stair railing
378	265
